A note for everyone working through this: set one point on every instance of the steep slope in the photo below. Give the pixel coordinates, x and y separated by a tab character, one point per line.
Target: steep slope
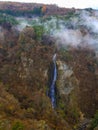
27	68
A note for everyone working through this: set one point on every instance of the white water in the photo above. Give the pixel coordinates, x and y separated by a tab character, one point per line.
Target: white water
52	87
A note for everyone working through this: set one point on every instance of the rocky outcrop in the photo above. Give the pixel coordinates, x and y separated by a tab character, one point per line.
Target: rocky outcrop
67	91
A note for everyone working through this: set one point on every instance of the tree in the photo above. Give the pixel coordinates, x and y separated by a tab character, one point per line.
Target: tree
95	121
39	31
43	9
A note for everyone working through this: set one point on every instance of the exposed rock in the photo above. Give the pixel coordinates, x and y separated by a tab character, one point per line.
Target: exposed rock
66	80
26	38
29	32
67	89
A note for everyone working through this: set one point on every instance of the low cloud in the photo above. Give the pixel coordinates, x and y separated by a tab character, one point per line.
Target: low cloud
79	30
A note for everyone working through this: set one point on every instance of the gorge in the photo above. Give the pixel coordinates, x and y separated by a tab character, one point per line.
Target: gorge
48	67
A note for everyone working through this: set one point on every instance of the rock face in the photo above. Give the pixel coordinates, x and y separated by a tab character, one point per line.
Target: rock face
65	78
67	90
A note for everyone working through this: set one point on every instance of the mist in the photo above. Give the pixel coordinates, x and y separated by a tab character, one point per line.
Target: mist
23	22
81	29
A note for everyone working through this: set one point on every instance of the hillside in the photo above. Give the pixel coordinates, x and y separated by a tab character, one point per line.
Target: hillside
27	9
48	67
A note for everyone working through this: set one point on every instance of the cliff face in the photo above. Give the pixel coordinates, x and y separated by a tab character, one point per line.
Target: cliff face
68	90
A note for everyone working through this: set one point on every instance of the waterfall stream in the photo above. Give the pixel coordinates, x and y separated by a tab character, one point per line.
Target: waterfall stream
52	86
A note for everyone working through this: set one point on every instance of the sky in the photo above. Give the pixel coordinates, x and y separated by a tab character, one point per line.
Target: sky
65	3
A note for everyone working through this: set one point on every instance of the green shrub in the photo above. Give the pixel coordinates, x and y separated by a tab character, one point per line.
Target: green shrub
94	122
18	126
39	31
65	54
35	11
7	19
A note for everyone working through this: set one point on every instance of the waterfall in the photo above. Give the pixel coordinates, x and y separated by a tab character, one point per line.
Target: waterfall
52	86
